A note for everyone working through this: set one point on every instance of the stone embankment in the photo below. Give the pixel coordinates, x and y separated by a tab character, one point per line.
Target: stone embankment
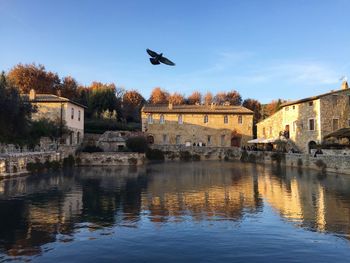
13	164
110	159
322	162
178	152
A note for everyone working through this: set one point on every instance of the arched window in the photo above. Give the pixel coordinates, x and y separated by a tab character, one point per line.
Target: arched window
206	119
72	113
225	119
161	119
179	119
150	119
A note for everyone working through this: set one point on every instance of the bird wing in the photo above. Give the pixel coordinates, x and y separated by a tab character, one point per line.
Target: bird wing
166	61
151	53
154	61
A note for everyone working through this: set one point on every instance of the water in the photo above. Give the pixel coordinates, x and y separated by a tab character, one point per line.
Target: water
172	212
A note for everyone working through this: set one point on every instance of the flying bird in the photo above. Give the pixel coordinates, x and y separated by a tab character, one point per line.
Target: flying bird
156	58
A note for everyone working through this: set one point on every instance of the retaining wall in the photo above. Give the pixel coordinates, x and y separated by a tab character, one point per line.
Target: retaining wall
16	163
328	163
172	152
110	159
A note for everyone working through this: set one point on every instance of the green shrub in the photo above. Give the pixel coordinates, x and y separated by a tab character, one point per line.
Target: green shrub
277	157
55	165
68	161
300	162
196	157
91	149
252	158
321	164
185	156
132	161
137	144
36	167
99	126
244	156
155	155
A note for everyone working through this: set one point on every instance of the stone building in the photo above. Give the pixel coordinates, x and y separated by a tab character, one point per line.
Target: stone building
200	125
307	121
61	110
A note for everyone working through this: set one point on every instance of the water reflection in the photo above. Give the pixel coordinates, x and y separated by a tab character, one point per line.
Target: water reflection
39	210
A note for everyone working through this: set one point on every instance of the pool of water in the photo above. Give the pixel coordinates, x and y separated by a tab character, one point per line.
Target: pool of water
172	212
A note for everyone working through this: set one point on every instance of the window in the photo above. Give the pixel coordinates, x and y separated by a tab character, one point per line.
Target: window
311	124
205	118
223	140
335	124
179	119
79	115
225	119
150	119
72	113
165	139
161	119
240	119
209	139
335	100
78	137
311	103
178	139
293	107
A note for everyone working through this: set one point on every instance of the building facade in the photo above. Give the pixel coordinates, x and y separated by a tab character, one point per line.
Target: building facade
60	110
307	121
200	125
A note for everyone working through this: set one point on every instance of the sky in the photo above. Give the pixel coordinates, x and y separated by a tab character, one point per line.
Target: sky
264	49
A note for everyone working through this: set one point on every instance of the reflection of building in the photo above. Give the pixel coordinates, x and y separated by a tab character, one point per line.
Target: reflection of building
308	120
61	110
210	125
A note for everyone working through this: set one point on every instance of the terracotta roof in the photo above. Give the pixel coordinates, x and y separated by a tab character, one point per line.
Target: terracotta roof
313	97
47	98
218	109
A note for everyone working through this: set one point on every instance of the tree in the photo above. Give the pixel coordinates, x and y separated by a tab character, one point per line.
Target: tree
159	96
255	106
194	98
15	114
272	107
176	99
102	100
31	76
132	104
220	98
234	98
69	88
208	98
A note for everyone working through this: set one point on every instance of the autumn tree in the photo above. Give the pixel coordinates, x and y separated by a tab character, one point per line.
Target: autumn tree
194	98
176	99
132	104
234	98
220	98
208	98
159	96
255	106
272	107
31	76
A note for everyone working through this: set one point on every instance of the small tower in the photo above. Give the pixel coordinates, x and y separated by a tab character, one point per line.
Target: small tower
32	94
344	85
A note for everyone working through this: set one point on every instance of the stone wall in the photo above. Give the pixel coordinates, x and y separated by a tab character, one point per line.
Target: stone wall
173	152
327	163
110	159
16	163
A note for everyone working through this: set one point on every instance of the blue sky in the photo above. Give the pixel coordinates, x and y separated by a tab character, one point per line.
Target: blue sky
264	49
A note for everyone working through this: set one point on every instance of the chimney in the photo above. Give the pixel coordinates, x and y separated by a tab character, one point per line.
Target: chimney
170	106
212	106
344	85
32	94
